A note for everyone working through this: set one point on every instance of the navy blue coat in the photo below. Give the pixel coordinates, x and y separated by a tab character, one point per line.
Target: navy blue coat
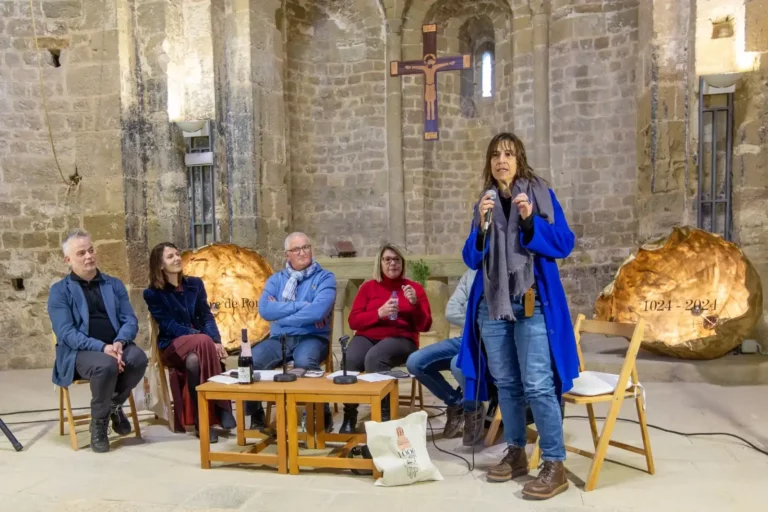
175	318
68	310
548	243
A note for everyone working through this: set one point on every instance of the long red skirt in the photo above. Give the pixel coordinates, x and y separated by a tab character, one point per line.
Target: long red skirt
210	364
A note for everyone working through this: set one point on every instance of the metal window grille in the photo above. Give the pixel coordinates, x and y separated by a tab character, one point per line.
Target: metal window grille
715	159
201	188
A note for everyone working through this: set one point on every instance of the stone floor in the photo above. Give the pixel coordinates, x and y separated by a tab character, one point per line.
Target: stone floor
161	473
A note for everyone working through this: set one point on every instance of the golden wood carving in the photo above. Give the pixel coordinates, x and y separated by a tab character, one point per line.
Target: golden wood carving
699	295
234	278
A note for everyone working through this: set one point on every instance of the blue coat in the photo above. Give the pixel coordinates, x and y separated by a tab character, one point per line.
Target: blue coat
548	243
69	315
175	319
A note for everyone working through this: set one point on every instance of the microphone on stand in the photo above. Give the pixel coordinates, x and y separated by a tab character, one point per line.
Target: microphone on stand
491	195
284	377
344	379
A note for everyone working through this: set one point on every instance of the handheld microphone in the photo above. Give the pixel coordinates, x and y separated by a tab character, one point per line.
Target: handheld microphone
491	195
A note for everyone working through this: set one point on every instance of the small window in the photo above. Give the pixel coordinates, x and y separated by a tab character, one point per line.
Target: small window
487	75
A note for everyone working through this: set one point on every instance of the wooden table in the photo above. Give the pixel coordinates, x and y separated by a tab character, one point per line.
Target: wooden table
321	391
266	391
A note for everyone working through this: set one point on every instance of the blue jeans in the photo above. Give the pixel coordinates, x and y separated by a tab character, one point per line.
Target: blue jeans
427	363
306	352
519	361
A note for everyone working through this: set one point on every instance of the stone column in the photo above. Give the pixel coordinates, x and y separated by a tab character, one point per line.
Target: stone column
540	20
663	116
395	137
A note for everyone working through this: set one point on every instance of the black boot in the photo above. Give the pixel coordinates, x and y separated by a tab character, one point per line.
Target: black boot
328	417
350	419
258	418
226	419
100	435
120	424
213	437
385	411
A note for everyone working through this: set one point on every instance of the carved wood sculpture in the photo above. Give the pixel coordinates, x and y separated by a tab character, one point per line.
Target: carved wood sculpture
234	278
699	295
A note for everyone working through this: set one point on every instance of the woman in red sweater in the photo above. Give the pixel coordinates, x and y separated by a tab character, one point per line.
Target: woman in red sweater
388	314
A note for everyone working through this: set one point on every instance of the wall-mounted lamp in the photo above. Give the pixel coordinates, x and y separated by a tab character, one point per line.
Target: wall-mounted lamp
720	83
197	154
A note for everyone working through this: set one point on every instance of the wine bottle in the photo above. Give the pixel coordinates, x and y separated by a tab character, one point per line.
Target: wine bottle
245	361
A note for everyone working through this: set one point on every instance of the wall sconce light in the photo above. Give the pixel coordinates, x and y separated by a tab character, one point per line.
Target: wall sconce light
720	83
722	28
197	154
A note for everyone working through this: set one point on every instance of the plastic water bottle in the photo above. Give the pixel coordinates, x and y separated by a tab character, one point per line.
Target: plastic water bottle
303	427
393	316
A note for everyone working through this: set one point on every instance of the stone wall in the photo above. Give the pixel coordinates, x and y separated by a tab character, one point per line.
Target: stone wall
335	91
249	66
81	87
593	122
443	179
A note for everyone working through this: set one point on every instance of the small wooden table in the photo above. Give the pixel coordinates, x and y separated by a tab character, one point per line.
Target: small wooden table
321	391
266	391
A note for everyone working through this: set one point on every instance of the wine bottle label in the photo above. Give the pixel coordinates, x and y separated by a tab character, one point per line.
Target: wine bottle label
244	375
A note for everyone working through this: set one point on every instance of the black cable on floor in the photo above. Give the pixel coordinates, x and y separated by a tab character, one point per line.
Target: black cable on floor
38	410
684	434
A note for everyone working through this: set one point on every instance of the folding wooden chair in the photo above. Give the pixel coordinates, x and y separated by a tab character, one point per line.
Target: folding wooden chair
625	388
84	419
156	365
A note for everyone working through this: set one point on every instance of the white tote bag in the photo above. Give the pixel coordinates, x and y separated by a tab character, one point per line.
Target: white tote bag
399	450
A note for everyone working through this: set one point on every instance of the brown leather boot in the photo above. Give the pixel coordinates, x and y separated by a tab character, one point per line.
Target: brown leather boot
550	482
513	465
474	421
454	415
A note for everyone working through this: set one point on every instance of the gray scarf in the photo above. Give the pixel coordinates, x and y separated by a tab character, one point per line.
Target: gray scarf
509	266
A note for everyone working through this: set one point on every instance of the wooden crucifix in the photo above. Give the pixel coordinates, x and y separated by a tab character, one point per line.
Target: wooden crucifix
429	66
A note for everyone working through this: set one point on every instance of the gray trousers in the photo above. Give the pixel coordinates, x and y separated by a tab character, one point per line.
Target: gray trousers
377	356
108	386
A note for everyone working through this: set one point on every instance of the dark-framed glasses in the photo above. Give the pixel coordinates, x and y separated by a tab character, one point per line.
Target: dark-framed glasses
298	250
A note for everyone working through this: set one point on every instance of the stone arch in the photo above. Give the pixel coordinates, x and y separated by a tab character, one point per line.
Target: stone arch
476	36
335	83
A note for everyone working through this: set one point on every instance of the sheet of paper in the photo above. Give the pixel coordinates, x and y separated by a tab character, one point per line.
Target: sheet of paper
268	374
374	377
223	379
340	372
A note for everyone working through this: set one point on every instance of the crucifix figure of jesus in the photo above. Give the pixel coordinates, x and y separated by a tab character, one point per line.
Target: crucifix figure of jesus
429	66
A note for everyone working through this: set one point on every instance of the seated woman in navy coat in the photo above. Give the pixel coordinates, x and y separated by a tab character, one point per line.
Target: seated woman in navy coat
189	340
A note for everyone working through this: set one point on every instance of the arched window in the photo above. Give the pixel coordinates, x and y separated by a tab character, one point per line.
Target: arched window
487	74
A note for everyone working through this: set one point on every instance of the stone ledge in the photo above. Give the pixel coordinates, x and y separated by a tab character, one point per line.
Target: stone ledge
607	355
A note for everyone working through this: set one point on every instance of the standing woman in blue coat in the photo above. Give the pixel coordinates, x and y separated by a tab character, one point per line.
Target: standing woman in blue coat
530	351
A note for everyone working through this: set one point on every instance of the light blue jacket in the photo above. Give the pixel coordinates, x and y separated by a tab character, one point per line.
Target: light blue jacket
456	309
69	315
309	314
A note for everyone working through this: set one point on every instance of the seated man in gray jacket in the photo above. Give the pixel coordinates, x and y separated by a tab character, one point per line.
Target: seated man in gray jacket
95	327
427	363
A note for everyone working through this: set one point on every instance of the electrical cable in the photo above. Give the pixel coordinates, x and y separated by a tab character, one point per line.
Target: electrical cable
432	430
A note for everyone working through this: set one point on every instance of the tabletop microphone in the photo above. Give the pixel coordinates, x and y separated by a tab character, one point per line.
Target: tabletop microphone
491	194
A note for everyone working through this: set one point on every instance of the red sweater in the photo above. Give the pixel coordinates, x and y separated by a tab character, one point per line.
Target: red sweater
411	319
